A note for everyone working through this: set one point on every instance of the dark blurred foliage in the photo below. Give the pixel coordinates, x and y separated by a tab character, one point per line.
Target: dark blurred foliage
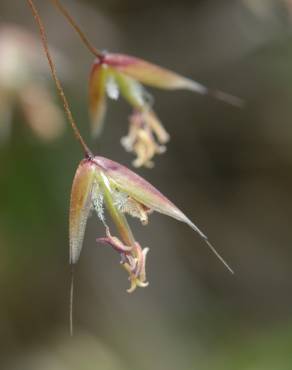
229	169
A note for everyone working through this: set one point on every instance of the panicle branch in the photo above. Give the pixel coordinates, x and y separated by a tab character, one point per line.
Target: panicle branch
59	87
83	37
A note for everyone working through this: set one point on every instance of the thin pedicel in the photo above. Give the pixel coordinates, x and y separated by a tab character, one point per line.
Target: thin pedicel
59	87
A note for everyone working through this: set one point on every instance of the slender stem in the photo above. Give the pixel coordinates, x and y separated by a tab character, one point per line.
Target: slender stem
84	39
59	87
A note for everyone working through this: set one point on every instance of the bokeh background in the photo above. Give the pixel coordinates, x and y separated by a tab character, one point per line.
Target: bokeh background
229	169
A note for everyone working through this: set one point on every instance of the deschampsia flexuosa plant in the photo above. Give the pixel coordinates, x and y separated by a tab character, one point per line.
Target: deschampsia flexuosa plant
106	187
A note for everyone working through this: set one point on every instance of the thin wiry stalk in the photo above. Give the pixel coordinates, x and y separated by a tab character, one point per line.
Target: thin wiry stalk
81	34
59	87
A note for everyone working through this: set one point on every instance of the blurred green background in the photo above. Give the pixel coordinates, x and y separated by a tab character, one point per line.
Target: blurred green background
228	169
